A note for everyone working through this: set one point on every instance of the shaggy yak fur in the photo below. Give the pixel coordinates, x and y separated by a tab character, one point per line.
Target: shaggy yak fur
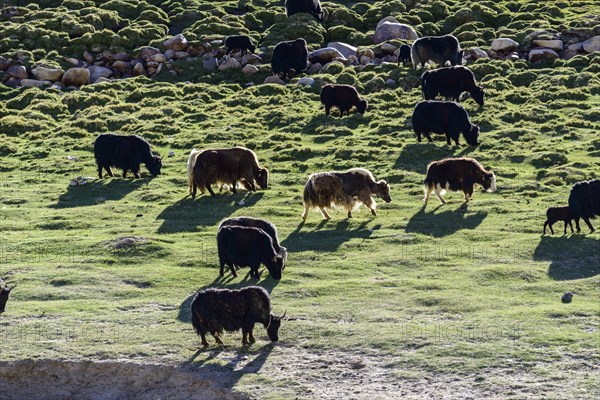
247	246
288	56
584	202
443	117
216	310
456	174
225	167
451	82
343	97
126	152
343	189
555	214
439	49
240	42
312	7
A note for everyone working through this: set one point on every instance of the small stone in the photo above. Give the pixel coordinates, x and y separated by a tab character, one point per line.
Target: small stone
72	158
390	82
353	60
121	66
315	68
567	54
180	54
393	30
504	44
249	69
576	46
230	63
87	56
306	80
273	79
48	74
248	84
76	77
476	53
120	56
250	58
216	43
99	72
542	55
549	44
324	55
17	71
209	64
169	54
369	53
364	60
171	154
176	43
138	69
71	60
4	63
158	58
242	202
34	83
147	51
592	45
388	48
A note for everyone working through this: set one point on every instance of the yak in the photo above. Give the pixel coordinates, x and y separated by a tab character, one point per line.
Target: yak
439	49
343	97
216	310
554	214
451	82
126	152
312	7
4	293
584	202
241	42
289	55
404	54
456	174
344	189
443	117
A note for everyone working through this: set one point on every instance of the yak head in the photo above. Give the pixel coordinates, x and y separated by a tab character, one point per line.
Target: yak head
472	135
273	327
383	190
276	265
263	178
154	165
362	105
489	182
477	95
4	293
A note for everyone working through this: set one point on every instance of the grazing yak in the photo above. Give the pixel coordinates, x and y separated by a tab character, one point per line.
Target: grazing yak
240	42
225	167
4	293
126	152
404	54
439	49
265	225
456	174
312	7
216	310
554	214
247	246
451	82
288	56
443	117
343	189
584	202
343	97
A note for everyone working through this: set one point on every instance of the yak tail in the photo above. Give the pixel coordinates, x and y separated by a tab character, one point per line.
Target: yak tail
423	80
310	196
414	56
190	163
196	320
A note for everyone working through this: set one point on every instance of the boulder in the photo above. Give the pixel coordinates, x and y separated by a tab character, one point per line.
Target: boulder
274	79
4	63
393	30
99	72
180	54
388	48
209	64
315	68
71	60
345	49
364	60
476	53
101	79
390	82
230	63
17	71
553	44
386	19
542	55
121	66
158	58
250	58
369	53
146	52
88	57
169	54
324	55
353	60
306	80
34	83
48	74
120	56
504	44
249	69
592	45
176	43
76	77
576	46
138	69
567	54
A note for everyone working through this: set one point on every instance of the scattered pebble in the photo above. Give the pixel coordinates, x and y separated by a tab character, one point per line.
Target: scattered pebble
567	297
80	180
72	158
242	202
171	153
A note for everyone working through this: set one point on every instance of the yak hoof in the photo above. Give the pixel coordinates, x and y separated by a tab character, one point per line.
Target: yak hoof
374	213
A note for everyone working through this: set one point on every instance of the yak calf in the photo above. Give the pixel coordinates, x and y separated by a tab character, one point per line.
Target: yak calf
554	214
343	97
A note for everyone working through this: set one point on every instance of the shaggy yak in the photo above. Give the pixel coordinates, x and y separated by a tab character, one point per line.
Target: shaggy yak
343	189
584	202
312	7
555	214
247	246
288	56
443	117
126	152
456	174
216	310
225	167
404	54
439	49
4	293
451	82
240	42
343	97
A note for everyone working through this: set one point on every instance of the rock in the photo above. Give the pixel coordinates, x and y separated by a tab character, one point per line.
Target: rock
57	86
242	202
209	64
504	44
76	77
315	68
13	82
567	297
120	56
71	60
101	80
273	79
146	52
324	55
138	69
306	80
353	60
48	74
4	63
514	56
389	18
230	63
542	55
476	53
180	54
176	43
250	58
152	64
345	49
121	66
369	53
169	54
248	84
567	54
34	83
393	30
159	69
549	44
99	72
576	46
215	43
87	56
390	82
249	69
364	60
72	158
171	154
592	45
388	48
17	71
158	58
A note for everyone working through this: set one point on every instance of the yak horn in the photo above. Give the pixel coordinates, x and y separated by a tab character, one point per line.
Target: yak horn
283	316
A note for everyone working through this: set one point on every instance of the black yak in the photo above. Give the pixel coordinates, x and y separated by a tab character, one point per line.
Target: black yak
404	54
247	246
240	42
126	152
312	7
456	174
4	293
344	189
443	117
225	167
343	97
555	214
584	202
288	56
216	310
439	49
451	82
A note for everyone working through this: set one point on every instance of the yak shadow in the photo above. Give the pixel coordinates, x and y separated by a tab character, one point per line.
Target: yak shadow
416	156
320	121
439	224
187	214
98	192
330	239
575	256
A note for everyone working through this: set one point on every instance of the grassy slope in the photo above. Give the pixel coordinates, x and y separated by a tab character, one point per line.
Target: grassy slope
445	289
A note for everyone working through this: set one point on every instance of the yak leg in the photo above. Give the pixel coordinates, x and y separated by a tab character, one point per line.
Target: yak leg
428	136
427	189
107	168
125	173
571	225
418	134
438	193
305	213
327	109
217	338
468	191
210	190
251	337
324	213
244	340
577	225
203	338
589	224
99	171
232	269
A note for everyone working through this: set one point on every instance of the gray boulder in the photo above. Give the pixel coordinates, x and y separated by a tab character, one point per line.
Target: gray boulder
345	49
324	55
542	55
98	71
17	71
394	30
592	45
48	74
76	77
